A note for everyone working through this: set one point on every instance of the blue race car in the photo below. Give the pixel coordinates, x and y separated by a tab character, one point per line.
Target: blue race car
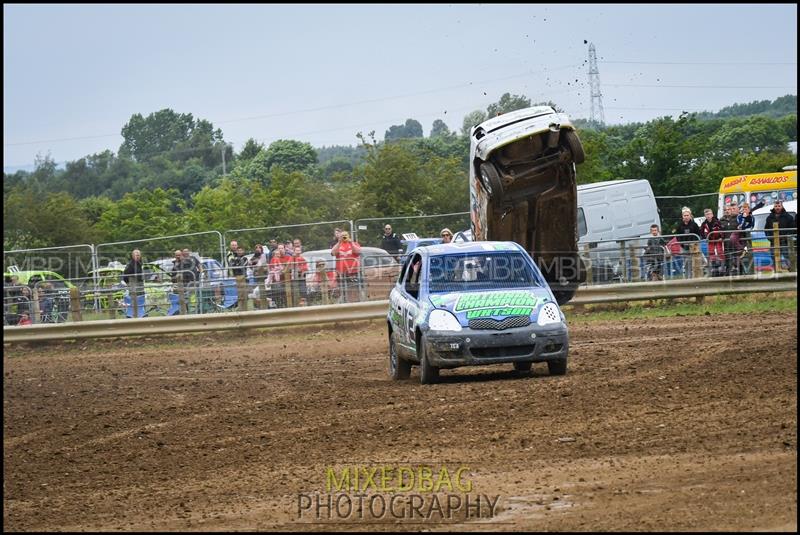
473	303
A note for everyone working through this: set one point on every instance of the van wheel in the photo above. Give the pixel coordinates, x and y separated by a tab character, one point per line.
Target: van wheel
427	374
575	146
490	179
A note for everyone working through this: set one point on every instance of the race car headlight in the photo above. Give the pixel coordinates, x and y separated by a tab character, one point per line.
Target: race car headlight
549	314
442	320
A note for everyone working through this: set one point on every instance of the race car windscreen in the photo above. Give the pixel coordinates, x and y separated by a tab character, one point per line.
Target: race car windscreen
481	271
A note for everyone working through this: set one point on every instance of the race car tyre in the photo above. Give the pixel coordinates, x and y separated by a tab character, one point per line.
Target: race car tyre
490	179
523	367
427	374
398	368
557	367
575	146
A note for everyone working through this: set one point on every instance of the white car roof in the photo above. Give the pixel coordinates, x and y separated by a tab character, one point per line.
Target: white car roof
788	206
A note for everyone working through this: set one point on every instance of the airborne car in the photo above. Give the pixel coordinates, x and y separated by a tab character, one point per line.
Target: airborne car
473	303
522	187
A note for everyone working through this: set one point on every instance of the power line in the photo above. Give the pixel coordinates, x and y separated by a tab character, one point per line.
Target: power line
311	132
58	140
329	107
703	62
706	86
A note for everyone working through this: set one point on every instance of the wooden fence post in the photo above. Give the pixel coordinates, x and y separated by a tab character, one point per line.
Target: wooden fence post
75	303
323	286
134	295
287	288
182	299
776	247
35	314
241	286
635	271
697	260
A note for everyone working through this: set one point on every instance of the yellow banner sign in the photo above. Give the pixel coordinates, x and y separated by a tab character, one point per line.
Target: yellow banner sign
761	182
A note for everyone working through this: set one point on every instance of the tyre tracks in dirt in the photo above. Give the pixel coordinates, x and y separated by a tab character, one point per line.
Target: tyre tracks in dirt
673	423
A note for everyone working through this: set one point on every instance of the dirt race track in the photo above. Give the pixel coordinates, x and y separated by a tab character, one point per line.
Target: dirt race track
686	423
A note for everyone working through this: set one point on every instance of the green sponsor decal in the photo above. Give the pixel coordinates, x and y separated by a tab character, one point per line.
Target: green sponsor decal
438	301
495	300
487	312
396	317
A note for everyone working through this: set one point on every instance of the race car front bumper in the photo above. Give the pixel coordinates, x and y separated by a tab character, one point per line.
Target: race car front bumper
470	347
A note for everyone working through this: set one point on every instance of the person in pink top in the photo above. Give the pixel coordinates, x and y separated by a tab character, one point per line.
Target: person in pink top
347	254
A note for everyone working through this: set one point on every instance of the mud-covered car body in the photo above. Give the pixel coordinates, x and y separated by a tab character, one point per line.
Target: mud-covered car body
473	303
523	189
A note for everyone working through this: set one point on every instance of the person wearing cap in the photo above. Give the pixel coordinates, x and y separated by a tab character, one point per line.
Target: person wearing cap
447	235
347	253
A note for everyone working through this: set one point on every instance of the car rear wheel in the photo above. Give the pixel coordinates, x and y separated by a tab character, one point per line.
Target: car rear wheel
523	367
490	179
557	367
427	374
573	143
398	368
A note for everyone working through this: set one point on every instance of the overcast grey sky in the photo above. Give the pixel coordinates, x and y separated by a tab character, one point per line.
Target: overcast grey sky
74	74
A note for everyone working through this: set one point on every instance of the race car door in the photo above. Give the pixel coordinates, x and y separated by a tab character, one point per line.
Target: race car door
409	302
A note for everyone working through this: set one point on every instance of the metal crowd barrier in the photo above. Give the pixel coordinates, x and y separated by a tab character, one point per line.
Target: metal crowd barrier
775	282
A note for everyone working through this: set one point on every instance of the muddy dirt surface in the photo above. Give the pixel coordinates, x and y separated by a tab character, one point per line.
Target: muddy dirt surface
686	423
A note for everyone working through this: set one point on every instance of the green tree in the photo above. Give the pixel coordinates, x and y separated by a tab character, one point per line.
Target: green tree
144	214
411	129
750	134
290	155
159	133
439	129
178	134
472	119
507	103
405	178
34	219
250	150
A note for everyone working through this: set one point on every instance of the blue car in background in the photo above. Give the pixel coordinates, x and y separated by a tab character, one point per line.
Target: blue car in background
215	276
473	303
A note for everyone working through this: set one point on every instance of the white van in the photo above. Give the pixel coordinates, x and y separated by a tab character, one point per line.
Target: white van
610	211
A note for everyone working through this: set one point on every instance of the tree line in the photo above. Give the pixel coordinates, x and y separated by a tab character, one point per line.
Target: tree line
176	174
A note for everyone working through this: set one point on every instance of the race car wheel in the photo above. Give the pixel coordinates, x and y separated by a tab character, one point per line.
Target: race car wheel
398	368
490	179
427	374
523	367
575	146
557	367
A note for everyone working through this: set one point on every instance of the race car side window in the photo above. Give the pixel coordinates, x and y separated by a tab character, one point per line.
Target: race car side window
402	276
413	276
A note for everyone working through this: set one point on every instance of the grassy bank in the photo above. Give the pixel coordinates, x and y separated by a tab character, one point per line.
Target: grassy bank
658	308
